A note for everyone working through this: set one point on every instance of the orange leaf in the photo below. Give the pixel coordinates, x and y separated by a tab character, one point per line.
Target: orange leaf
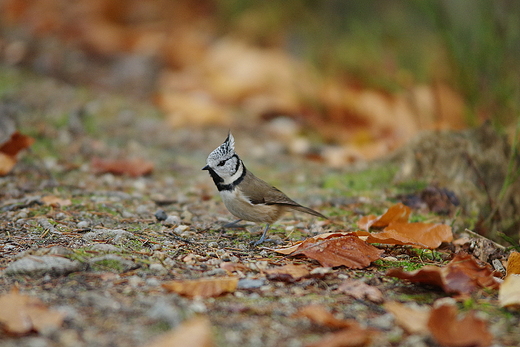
462	275
423	235
54	201
513	264
397	213
195	332
359	290
320	316
509	292
413	320
205	288
337	249
6	164
15	144
287	273
132	167
448	330
352	337
21	314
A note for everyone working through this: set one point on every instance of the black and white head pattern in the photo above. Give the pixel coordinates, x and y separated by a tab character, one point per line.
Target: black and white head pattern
225	166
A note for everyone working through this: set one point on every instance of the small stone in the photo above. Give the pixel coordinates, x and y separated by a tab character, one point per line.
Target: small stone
104	247
249	283
39	266
83	224
111	262
158	269
59	250
166	312
127	214
60	216
116	235
141	209
383	322
172	220
161	215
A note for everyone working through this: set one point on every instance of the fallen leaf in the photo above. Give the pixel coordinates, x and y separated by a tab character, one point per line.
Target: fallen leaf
448	330
462	275
424	235
412	319
10	148
287	273
132	167
54	201
397	213
509	292
360	290
337	249
354	336
513	264
195	332
319	315
21	314
291	249
231	267
204	288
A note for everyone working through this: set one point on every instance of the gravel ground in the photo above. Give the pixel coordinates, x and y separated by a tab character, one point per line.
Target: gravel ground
101	254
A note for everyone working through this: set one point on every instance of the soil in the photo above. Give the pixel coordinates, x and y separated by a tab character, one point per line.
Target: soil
119	301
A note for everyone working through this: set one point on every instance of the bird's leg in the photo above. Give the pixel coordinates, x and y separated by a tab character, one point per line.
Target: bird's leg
262	238
233	224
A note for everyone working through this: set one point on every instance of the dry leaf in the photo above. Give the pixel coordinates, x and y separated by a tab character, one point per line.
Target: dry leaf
321	316
360	290
132	167
509	292
448	330
21	314
462	275
9	150
291	249
231	267
287	273
422	235
195	332
413	320
54	201
397	213
513	264
205	288
337	249
355	336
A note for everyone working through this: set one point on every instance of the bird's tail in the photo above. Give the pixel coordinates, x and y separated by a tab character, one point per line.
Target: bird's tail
308	210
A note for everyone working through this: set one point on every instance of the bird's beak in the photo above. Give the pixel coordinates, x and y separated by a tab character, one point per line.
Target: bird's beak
205	167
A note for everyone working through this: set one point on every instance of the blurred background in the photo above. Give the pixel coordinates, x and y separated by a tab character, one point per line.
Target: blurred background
358	78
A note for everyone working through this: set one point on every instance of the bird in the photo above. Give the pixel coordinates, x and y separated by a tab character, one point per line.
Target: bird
246	196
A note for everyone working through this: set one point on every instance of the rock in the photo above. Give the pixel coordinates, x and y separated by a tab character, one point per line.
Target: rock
83	224
115	235
38	266
172	220
112	263
249	283
158	269
161	215
104	247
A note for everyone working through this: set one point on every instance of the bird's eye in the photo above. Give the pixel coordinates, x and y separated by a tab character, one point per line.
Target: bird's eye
221	163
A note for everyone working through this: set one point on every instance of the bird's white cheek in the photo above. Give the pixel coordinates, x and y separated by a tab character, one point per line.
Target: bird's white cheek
231	179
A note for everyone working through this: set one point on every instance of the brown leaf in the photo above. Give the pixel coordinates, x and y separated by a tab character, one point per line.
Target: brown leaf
10	149
132	167
509	292
397	213
513	264
448	330
21	314
231	267
423	235
337	249
204	288
413	320
351	337
360	290
52	200
462	275
287	273
195	332
319	315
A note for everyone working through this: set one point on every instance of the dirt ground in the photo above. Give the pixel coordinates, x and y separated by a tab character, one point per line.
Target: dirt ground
107	225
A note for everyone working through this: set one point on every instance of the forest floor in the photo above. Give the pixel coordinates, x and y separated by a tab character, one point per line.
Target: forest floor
59	202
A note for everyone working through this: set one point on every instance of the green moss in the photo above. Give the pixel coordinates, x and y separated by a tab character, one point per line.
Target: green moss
405	265
353	183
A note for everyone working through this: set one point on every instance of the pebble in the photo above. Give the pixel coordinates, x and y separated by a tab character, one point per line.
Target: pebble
162	310
141	209
111	262
172	220
104	247
158	269
116	235
161	215
383	322
39	266
83	224
249	283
